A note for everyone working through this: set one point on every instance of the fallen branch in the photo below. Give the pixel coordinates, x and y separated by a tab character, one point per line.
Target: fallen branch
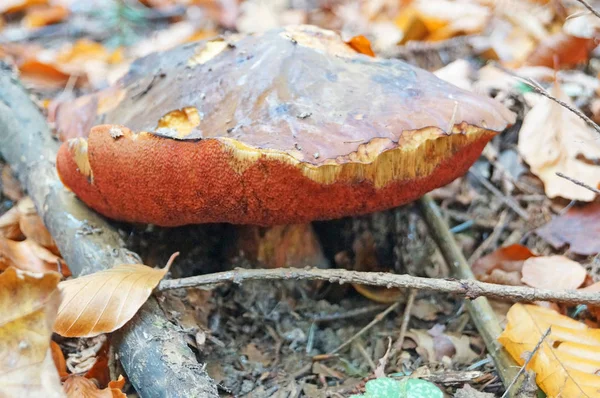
469	288
152	351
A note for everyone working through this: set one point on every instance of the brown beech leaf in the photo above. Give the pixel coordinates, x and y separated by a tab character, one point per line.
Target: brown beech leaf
553	272
507	259
28	303
568	50
103	302
9	224
79	386
59	359
32	226
10	185
29	256
553	139
579	227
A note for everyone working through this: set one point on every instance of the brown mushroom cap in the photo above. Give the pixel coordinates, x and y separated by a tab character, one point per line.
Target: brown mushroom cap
288	126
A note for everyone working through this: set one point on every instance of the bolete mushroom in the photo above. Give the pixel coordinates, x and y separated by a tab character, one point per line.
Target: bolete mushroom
288	126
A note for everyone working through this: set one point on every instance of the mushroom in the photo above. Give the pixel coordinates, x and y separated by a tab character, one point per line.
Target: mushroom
288	126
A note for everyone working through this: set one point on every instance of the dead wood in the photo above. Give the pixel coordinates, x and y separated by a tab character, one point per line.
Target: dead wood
154	354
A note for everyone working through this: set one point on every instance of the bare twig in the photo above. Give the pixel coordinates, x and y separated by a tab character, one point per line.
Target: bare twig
536	87
405	320
492	239
510	202
577	182
589	7
466	287
537	346
375	321
480	310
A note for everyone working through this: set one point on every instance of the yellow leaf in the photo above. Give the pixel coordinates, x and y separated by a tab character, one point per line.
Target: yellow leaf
553	139
103	302
567	360
28	303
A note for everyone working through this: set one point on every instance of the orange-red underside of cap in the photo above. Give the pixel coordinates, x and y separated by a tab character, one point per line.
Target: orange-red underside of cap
167	182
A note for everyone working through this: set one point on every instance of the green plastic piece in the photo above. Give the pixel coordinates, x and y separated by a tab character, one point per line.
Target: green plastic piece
386	387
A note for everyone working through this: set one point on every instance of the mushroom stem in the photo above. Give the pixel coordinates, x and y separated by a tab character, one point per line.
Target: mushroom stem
89	244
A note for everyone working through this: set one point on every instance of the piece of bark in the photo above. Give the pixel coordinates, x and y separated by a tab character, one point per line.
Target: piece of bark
154	355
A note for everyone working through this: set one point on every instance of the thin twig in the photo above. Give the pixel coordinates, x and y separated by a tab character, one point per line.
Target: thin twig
405	320
465	287
577	182
480	310
375	321
510	202
589	7
492	239
536	87
537	346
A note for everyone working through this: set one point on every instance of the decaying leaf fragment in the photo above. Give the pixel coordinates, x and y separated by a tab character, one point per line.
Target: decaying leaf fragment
567	361
103	302
28	302
288	126
553	139
79	386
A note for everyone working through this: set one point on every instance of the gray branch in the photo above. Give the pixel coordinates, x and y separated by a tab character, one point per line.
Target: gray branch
154	354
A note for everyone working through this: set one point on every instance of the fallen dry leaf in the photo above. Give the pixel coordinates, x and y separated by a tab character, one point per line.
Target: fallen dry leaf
103	302
43	15
100	371
565	49
361	45
9	224
59	359
9	6
553	272
503	266
569	370
32	226
553	139
79	386
29	302
11	188
432	345
27	255
579	227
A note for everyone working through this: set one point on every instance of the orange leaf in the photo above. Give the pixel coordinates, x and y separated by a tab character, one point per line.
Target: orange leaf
569	51
103	302
59	359
9	6
11	188
99	370
361	45
569	370
28	303
508	259
78	386
29	256
553	272
44	15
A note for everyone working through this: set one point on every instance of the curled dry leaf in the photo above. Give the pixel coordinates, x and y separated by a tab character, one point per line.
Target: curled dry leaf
432	345
579	227
553	272
29	256
32	226
79	386
103	302
28	302
554	139
567	360
59	359
9	224
10	185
